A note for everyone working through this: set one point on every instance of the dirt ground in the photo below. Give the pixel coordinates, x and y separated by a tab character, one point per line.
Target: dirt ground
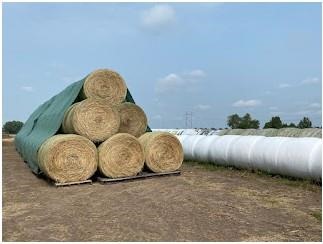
202	204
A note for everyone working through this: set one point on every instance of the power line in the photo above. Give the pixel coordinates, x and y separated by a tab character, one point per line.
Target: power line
188	120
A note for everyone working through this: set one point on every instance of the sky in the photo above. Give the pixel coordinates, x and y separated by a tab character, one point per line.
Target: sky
210	59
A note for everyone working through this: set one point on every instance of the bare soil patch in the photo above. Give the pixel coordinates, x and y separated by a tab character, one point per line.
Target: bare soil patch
200	205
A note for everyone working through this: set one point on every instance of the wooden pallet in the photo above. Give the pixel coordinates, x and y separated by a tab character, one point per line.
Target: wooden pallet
57	184
142	175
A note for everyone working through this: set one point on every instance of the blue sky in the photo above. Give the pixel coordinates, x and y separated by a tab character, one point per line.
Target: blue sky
212	59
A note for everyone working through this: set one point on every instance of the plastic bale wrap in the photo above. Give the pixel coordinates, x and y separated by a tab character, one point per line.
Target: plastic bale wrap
133	119
163	151
294	158
264	154
222	132
202	148
240	149
219	149
93	119
105	84
121	155
188	146
68	158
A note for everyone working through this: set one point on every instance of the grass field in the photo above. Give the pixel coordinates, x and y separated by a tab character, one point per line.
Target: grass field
205	203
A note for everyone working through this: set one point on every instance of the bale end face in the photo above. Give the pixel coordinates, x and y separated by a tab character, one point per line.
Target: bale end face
120	156
68	158
163	151
105	84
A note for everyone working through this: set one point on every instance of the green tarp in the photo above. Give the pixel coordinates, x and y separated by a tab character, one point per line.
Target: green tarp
46	121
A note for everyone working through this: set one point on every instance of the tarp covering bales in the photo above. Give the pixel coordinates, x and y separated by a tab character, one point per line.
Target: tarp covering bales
46	121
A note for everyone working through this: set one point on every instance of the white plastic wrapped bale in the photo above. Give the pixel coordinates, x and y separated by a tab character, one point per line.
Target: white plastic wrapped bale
300	157
297	157
219	148
239	151
188	145
265	153
202	147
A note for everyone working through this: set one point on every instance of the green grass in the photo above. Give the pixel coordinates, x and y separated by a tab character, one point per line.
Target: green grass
317	215
287	180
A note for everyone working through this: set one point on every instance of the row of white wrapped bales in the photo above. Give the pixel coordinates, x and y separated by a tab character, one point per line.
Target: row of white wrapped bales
189	131
271	132
296	157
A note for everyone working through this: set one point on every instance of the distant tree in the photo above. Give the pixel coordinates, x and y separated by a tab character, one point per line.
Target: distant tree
304	123
234	121
275	122
246	122
12	127
292	125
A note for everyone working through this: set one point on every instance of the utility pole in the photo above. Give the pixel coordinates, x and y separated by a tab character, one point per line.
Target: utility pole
188	120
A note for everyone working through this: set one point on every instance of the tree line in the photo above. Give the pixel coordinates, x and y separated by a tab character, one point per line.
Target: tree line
234	121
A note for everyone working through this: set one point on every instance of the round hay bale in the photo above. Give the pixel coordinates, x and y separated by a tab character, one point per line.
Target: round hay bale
235	132
270	132
68	158
222	132
311	132
163	151
249	132
133	119
289	132
93	119
105	84
121	155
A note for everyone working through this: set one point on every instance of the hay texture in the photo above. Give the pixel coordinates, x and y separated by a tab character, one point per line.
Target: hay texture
121	155
93	119
68	158
311	132
163	151
133	119
105	84
289	132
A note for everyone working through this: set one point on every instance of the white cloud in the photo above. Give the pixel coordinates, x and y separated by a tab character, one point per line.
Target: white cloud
196	73
203	106
158	17
273	108
314	105
169	82
175	81
27	88
284	85
309	81
247	103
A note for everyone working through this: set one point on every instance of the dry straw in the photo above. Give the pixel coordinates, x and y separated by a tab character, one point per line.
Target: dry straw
121	155
68	158
133	119
92	118
105	84
289	132
163	151
311	132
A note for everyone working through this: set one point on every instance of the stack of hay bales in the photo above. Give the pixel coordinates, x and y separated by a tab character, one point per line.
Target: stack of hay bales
104	133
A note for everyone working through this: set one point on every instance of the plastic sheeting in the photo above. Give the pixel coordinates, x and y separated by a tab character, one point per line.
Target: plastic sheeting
270	132
46	121
296	157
